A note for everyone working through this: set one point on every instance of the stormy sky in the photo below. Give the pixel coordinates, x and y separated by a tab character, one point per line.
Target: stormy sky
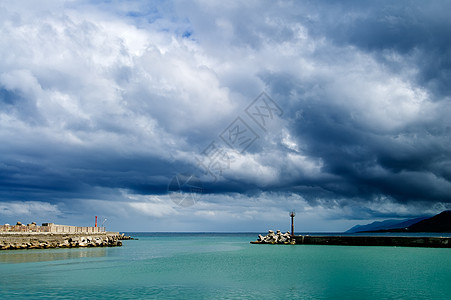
212	116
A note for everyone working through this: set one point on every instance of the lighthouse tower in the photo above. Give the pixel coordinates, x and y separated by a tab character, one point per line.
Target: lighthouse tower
292	214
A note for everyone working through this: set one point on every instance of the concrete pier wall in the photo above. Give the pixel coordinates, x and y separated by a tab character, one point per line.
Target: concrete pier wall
434	242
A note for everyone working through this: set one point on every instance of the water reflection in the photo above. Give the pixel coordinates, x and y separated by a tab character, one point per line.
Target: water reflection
26	256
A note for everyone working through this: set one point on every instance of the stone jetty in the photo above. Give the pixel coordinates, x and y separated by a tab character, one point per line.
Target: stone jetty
357	240
41	240
50	235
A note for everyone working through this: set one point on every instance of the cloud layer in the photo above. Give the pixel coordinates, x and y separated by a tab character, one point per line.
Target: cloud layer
103	103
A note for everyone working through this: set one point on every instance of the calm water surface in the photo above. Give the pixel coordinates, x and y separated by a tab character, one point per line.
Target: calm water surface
225	266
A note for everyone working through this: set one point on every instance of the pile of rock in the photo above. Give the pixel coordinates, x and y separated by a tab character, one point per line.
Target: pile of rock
275	238
108	241
126	237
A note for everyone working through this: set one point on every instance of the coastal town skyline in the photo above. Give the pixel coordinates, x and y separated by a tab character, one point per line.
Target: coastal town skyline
210	116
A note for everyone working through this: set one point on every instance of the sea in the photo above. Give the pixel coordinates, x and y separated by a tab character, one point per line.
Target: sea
224	266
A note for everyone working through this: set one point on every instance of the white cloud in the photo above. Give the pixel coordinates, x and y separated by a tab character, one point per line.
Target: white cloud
152	206
101	81
29	209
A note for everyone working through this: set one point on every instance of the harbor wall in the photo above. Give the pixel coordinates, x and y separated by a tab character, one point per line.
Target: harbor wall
43	240
434	242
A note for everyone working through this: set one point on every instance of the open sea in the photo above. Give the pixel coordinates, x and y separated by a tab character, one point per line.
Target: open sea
224	266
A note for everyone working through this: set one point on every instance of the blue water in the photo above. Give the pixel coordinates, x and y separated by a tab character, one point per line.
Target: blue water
225	266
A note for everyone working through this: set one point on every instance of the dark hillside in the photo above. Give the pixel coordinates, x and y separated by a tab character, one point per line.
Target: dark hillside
438	223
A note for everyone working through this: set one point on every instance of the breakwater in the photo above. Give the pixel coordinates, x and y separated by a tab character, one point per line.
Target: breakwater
398	241
41	240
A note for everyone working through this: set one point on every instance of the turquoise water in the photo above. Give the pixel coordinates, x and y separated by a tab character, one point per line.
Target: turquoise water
225	266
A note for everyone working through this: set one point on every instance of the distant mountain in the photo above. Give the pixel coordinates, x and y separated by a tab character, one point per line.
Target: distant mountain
437	223
385	225
378	225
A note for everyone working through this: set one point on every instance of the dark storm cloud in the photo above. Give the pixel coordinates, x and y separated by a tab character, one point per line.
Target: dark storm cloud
419	34
408	163
58	174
